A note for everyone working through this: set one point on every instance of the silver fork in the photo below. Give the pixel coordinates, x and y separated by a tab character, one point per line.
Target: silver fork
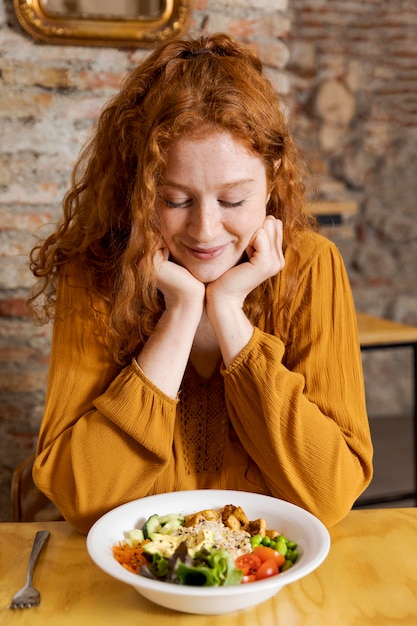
28	596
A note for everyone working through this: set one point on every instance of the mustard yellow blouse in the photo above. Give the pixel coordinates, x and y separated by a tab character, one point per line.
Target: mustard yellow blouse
285	419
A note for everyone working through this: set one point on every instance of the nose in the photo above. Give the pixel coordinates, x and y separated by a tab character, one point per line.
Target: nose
204	221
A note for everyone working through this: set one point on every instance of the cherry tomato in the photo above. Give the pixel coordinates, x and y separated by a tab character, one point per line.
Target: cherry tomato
265	554
267	569
248	563
248	578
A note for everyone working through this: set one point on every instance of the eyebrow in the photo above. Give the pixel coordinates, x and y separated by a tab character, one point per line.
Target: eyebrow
231	185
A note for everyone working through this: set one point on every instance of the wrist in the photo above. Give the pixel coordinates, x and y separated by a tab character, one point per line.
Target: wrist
188	303
231	326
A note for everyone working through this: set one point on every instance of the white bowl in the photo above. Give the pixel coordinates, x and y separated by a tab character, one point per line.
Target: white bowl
295	523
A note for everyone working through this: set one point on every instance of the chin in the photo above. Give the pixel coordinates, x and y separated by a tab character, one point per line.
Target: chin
209	272
206	277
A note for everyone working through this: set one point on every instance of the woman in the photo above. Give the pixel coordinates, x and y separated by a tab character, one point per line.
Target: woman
204	334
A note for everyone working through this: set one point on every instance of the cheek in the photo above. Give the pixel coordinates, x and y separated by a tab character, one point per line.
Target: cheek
252	220
168	224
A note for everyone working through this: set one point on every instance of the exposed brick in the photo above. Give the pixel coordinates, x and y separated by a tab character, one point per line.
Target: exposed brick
14	307
19	220
28	74
33	380
14	273
273	53
25	355
90	80
15	243
15	103
200	5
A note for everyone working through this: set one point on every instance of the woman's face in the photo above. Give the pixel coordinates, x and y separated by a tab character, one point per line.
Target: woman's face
211	202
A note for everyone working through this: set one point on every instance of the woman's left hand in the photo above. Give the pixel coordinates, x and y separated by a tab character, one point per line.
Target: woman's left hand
226	295
265	259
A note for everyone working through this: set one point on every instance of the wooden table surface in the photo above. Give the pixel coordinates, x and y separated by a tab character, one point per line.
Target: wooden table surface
376	331
368	578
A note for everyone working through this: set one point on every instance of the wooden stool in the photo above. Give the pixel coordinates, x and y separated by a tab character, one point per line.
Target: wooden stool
376	333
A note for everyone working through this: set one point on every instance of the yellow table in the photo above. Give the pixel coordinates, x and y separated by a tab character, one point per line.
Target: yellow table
377	332
369	578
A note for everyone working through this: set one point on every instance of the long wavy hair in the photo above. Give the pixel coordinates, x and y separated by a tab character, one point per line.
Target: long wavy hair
109	230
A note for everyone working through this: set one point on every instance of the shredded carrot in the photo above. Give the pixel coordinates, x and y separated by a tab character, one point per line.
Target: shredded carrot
131	557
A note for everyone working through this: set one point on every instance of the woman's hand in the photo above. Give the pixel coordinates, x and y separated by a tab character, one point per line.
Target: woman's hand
177	284
164	356
265	259
225	296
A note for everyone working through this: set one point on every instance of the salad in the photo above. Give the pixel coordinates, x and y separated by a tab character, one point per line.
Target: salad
208	548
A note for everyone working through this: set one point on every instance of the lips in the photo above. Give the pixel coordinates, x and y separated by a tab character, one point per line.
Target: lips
206	254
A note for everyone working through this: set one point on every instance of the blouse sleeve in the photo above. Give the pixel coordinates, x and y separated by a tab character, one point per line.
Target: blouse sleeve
299	408
88	432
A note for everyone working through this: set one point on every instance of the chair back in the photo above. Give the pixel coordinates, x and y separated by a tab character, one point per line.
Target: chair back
28	503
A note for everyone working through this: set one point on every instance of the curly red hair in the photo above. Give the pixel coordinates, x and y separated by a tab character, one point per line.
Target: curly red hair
110	231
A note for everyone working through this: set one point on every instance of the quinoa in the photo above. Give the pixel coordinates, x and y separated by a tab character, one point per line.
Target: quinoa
236	542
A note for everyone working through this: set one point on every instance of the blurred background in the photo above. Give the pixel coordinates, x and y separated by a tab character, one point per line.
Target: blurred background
347	73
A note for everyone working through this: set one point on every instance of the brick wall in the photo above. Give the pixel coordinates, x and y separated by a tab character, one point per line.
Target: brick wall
353	101
348	73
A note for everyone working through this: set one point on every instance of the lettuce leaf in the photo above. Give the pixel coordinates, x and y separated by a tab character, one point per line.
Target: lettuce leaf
208	568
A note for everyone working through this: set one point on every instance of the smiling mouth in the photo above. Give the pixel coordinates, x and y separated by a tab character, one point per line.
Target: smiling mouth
205	255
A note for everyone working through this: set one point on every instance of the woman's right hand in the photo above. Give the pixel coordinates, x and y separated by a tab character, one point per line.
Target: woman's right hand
165	354
176	283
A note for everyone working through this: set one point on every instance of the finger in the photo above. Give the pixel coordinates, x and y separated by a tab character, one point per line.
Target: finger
160	256
273	226
279	238
165	253
259	243
274	229
267	233
267	243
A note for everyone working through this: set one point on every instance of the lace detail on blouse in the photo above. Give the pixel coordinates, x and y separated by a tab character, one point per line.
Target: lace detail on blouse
203	422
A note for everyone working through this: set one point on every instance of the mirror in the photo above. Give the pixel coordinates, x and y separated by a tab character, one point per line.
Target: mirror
121	23
106	9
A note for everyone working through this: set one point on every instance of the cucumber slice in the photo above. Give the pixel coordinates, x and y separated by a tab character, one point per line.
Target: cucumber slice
171	526
164	519
152	525
134	535
166	524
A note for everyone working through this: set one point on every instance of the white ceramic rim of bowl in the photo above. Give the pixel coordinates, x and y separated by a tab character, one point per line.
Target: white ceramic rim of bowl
107	531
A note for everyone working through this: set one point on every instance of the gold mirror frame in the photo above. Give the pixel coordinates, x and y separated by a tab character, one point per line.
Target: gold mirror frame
76	30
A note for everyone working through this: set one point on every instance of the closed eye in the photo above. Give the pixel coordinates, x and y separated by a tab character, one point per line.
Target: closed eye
176	205
231	205
181	204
